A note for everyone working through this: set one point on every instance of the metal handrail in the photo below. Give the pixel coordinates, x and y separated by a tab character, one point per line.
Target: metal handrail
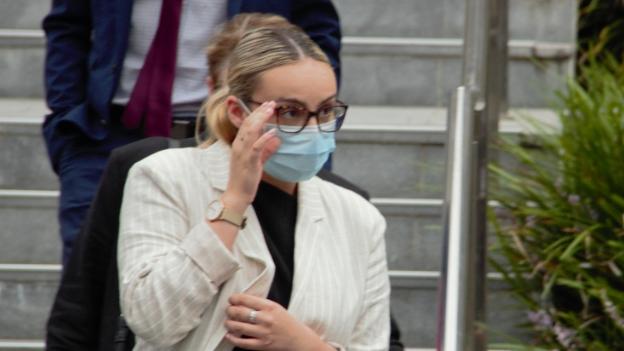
473	122
455	317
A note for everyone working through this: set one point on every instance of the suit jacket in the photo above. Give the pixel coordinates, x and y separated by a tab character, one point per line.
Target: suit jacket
87	42
176	276
85	312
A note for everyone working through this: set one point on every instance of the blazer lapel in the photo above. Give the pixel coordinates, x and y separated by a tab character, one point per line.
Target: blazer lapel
310	221
251	243
214	163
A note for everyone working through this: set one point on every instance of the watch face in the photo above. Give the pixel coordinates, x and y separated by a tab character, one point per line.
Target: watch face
214	210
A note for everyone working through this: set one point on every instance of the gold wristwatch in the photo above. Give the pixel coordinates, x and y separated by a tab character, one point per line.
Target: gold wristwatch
218	212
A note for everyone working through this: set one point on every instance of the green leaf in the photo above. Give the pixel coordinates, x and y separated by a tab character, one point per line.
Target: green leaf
567	254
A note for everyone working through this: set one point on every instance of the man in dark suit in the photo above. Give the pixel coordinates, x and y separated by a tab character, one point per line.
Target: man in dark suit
97	67
85	313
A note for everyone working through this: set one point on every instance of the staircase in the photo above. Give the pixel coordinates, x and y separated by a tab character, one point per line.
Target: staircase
401	59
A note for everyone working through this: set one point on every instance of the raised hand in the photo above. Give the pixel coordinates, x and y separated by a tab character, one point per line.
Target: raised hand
250	149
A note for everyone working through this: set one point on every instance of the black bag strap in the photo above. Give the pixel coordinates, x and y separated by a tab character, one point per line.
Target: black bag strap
124	339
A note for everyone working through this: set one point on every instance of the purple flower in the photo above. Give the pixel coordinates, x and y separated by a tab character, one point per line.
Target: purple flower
541	319
574	199
565	336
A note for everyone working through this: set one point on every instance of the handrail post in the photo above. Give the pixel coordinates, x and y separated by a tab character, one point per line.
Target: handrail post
473	122
495	93
496	64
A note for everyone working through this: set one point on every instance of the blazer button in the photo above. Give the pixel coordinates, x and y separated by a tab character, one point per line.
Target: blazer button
103	122
144	274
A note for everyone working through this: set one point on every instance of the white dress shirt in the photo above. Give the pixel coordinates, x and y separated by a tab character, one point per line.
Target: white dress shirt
176	275
199	21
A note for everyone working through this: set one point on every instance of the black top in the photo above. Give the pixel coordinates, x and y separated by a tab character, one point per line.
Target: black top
277	214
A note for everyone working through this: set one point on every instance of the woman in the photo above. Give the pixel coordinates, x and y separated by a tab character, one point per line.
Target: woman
207	253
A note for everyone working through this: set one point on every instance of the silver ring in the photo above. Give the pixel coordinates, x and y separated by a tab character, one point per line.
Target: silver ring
251	318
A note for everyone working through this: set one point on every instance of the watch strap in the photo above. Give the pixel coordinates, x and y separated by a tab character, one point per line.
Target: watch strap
232	217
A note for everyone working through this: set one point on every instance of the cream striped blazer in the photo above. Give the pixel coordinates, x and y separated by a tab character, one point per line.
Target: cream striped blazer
176	276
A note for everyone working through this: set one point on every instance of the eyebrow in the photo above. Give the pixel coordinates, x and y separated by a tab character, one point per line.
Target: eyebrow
303	103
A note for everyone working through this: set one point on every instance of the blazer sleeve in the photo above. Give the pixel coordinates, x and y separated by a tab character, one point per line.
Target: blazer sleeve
169	272
68	37
319	19
68	30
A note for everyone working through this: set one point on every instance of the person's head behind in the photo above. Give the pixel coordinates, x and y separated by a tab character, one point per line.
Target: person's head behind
223	43
272	63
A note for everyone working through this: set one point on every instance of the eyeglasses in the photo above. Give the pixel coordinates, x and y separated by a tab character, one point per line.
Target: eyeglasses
291	117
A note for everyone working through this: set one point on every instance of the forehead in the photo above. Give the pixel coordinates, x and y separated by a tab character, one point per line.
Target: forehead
306	80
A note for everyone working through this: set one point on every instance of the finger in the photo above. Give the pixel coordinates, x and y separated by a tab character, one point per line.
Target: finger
262	114
246	343
241	313
246	330
250	301
269	149
251	129
259	145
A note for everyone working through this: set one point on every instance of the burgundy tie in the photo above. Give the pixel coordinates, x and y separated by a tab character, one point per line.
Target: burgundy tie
150	101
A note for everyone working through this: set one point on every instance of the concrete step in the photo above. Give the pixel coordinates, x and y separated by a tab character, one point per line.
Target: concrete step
552	20
415	308
21	61
376	71
24	158
398	152
21	345
423	71
390	151
23	14
26	295
30	230
28	291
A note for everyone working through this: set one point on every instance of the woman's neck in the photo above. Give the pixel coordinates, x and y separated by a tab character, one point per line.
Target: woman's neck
287	187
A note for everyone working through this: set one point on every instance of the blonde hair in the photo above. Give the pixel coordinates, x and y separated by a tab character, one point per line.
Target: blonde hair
257	51
223	43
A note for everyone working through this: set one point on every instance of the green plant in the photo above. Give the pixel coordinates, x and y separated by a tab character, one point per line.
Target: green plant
600	29
560	243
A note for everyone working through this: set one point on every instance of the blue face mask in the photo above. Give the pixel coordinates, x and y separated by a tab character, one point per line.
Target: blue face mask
301	155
